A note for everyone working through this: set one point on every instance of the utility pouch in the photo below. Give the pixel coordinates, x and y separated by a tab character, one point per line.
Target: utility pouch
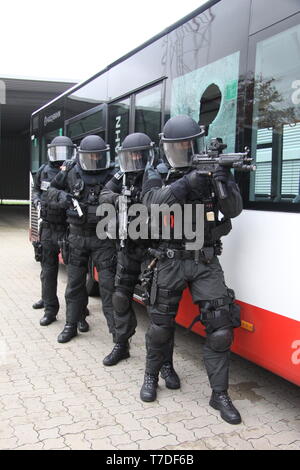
38	251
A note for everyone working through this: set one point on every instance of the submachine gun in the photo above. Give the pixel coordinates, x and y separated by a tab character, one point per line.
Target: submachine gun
207	162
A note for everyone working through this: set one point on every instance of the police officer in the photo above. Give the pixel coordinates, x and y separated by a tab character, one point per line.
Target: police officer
53	225
200	269
136	150
77	188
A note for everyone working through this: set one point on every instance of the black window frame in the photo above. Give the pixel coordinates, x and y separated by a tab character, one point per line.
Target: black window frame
244	179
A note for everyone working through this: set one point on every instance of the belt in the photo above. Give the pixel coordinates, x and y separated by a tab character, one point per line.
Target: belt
86	232
54	226
185	254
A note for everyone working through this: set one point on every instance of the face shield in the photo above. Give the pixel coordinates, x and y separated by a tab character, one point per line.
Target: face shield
133	160
180	153
93	161
60	153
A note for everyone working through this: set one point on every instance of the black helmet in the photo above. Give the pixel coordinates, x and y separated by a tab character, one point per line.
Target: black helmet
179	138
135	152
93	154
60	149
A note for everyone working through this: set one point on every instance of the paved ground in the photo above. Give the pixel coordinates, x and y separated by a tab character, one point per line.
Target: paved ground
56	396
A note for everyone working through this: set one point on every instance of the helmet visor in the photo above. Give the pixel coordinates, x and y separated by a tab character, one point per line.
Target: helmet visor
93	161
60	153
135	160
180	153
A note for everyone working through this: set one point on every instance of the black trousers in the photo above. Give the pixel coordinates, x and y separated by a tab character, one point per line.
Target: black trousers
103	255
50	236
130	260
206	283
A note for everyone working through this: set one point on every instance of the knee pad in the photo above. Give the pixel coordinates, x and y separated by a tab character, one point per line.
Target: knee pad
121	302
159	334
220	340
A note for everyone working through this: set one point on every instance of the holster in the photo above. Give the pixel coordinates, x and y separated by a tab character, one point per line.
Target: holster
38	251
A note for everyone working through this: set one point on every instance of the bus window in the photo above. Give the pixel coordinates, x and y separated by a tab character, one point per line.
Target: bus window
148	112
276	118
216	85
89	122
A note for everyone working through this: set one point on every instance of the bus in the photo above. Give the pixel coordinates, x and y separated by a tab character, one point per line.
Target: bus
234	66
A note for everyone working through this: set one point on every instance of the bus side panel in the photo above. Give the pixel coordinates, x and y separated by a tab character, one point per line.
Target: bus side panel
274	344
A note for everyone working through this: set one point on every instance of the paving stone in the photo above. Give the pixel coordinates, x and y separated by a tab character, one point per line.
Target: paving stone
53	444
284	438
26	434
261	444
158	442
103	432
154	427
102	444
77	442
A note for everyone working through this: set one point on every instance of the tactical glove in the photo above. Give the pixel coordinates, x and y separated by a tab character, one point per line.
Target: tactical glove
222	174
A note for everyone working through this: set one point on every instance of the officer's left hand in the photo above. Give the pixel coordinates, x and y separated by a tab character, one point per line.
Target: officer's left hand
222	174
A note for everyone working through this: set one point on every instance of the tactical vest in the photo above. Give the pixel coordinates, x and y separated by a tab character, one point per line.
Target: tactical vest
54	216
86	189
214	229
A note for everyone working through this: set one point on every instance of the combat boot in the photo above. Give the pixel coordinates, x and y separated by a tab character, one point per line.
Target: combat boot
222	402
69	332
120	351
83	325
38	304
148	390
170	376
47	319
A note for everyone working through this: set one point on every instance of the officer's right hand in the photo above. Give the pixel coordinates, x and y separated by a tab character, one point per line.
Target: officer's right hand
65	200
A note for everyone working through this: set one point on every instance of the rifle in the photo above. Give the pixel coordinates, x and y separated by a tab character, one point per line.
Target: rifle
208	161
123	215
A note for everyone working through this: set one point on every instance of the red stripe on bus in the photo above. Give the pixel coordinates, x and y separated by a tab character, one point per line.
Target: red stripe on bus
274	344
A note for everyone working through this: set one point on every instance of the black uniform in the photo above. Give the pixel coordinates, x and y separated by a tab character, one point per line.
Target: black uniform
129	260
200	270
52	230
83	241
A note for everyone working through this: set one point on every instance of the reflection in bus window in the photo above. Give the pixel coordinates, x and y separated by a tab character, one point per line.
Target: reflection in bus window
148	112
276	119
